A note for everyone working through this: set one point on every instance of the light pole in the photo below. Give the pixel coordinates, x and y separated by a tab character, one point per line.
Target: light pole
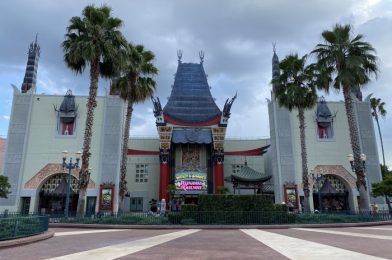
318	178
70	165
350	158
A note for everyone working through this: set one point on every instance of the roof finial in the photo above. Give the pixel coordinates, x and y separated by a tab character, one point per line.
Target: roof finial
201	55
179	55
274	47
36	38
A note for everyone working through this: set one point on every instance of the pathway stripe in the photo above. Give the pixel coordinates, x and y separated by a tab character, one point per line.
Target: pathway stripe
123	249
375	228
346	233
295	248
69	233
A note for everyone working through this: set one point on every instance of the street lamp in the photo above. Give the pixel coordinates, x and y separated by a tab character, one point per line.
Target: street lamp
350	158
318	178
70	165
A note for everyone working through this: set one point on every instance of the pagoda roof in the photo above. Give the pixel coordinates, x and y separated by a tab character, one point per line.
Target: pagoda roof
328	188
247	174
191	101
61	189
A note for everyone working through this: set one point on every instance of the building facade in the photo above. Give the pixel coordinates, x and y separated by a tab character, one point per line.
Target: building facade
191	151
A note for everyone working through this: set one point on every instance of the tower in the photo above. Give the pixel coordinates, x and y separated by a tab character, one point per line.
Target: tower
30	77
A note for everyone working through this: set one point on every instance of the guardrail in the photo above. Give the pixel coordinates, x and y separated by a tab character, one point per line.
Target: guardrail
14	225
225	218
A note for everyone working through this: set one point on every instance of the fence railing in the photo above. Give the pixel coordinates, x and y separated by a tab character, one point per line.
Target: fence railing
17	226
225	218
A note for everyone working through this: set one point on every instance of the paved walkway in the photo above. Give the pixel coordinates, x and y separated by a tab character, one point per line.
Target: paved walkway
296	243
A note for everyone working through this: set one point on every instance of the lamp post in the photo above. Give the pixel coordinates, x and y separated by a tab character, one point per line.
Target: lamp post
318	178
70	165
350	158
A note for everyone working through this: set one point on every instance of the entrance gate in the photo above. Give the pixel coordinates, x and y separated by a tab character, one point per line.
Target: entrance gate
52	195
333	194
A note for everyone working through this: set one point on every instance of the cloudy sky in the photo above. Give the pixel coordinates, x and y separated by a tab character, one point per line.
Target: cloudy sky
236	36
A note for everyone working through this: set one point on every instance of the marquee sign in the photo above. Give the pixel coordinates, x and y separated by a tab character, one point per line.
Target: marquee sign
190	182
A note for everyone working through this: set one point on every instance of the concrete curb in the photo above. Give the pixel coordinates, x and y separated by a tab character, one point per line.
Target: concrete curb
26	240
332	225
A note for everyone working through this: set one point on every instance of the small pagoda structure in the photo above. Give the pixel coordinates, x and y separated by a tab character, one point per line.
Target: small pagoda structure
248	178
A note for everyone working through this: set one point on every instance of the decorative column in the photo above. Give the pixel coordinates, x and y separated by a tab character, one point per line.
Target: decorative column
164	177
218	170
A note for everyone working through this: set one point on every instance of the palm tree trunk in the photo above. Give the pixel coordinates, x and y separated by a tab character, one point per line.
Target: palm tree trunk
305	179
124	157
379	133
84	174
354	138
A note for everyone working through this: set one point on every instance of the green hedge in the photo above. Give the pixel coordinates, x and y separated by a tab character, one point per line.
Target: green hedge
223	202
232	209
124	219
18	226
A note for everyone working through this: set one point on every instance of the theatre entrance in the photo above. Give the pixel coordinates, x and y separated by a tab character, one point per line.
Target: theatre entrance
332	196
52	195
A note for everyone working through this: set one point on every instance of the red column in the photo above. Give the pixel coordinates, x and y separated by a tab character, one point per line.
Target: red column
218	175
164	181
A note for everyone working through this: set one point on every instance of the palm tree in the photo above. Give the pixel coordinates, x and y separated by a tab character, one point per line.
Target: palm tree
135	86
378	107
346	63
93	39
295	89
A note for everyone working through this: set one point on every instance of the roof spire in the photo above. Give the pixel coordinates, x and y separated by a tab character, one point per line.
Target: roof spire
30	77
201	55
179	55
275	62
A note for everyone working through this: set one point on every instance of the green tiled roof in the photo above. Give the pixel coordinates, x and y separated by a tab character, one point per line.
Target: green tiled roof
247	174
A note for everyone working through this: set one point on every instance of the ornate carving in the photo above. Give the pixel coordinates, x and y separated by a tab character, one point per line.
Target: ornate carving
227	106
339	171
164	157
49	170
219	156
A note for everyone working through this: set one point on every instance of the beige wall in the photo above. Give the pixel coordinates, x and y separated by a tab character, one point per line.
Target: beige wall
255	162
322	151
44	145
150	189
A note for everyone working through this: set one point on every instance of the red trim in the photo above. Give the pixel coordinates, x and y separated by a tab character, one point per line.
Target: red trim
141	152
213	121
253	152
218	176
164	181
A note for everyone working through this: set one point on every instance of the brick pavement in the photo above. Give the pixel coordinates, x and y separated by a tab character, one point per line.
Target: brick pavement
211	244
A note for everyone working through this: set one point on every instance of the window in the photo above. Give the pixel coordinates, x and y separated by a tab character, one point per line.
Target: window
66	125
236	168
141	173
325	130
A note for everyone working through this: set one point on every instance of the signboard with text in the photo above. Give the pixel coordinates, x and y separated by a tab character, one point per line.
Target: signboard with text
191	182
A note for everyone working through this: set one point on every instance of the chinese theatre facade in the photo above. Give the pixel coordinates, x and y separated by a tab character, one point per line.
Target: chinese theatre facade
191	130
191	155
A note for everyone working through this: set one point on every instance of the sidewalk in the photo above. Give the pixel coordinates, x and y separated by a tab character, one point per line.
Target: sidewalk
26	240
